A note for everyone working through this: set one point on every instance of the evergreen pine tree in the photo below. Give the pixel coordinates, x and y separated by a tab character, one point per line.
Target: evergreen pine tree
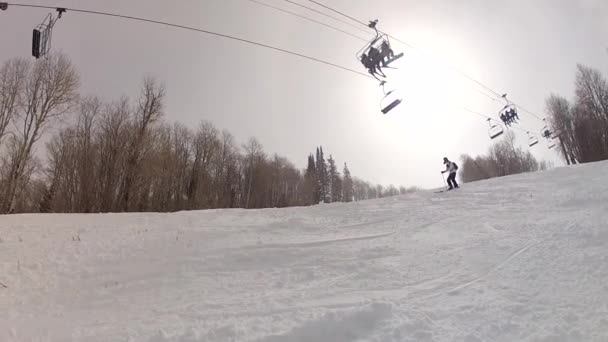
347	185
310	178
335	183
322	177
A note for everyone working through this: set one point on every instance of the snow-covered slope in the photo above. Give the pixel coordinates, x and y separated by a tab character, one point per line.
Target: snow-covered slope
522	258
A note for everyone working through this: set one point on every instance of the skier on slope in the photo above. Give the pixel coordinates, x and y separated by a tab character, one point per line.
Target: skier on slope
450	167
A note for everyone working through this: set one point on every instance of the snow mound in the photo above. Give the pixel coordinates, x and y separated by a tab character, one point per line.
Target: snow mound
521	258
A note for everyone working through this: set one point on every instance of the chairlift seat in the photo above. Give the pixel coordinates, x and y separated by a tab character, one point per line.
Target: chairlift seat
392	105
532	141
495	132
390	100
495	129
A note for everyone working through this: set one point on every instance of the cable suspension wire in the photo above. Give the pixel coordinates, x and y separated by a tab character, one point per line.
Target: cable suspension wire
127	17
496	94
529	112
485	94
327	15
477	113
307	18
189	28
340	13
415	48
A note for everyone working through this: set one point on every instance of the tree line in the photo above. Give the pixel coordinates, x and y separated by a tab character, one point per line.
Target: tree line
121	156
582	124
502	159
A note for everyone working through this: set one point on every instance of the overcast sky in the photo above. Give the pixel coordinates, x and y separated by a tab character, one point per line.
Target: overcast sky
525	48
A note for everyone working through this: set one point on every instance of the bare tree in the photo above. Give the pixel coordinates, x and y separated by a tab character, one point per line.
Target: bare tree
562	122
165	175
149	111
205	147
503	159
49	92
591	114
582	128
592	93
226	173
86	153
62	173
254	154
12	77
111	137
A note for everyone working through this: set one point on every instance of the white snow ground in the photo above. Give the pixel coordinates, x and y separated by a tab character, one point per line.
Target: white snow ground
521	258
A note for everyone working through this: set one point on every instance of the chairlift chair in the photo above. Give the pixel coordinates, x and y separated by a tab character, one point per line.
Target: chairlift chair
508	109
495	129
391	99
532	139
382	51
548	135
42	34
547	132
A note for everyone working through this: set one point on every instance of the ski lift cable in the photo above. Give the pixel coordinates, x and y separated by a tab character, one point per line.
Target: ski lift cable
307	18
338	12
189	28
493	98
529	112
201	31
485	94
328	16
497	94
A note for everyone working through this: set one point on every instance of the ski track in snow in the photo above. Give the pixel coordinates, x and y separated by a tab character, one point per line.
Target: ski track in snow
520	258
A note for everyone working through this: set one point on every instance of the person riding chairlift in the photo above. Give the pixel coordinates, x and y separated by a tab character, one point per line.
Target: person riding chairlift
386	52
512	114
372	63
373	60
505	120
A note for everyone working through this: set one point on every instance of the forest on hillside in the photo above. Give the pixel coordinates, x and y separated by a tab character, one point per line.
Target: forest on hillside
123	156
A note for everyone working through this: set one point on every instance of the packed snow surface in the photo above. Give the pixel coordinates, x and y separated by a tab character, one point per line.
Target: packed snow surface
521	258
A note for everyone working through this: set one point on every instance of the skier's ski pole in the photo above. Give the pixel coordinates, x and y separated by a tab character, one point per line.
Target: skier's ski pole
443	177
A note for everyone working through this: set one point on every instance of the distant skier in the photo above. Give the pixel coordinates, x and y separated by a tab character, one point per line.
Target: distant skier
452	168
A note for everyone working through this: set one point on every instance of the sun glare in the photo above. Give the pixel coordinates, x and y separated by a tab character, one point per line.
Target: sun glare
433	92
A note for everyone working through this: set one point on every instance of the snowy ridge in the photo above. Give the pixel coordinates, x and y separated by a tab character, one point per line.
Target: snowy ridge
521	258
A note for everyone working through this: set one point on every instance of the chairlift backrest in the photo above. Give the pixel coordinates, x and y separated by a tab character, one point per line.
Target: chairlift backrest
507	108
375	43
495	129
